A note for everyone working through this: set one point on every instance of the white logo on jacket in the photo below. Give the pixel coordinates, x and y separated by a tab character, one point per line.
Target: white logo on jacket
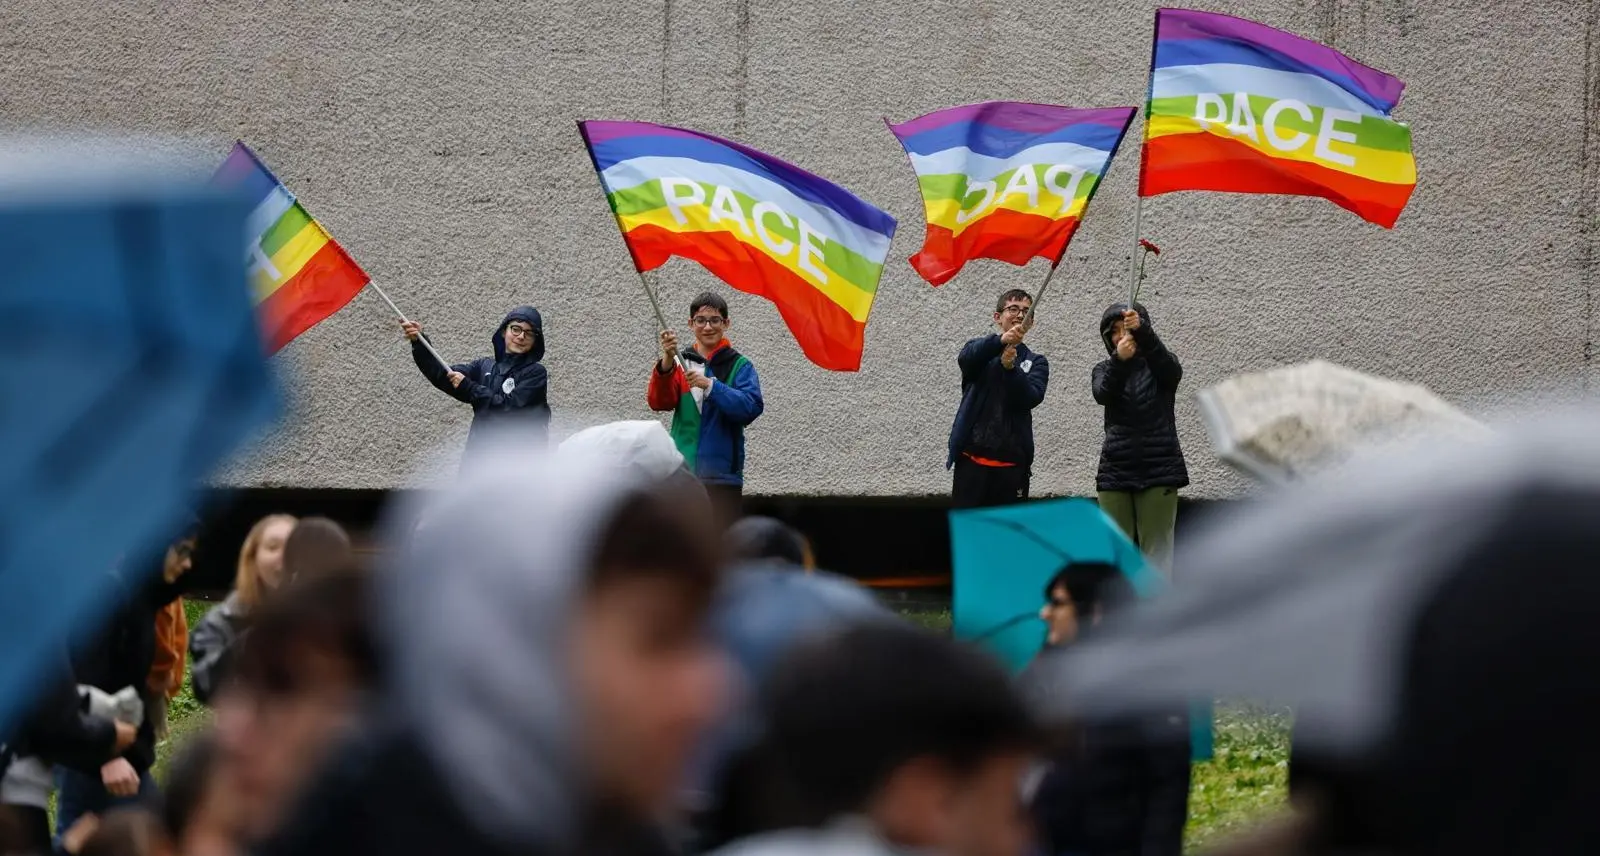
1026	365
510	384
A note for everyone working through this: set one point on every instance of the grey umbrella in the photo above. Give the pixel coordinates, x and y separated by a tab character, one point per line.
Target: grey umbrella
1292	421
1310	599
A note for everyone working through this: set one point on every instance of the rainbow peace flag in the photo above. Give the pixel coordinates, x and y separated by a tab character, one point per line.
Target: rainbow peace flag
298	274
1006	180
761	225
1239	106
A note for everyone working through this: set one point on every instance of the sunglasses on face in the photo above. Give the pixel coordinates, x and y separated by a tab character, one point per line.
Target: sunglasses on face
519	330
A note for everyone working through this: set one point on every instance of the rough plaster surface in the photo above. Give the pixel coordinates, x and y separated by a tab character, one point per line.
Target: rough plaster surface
436	142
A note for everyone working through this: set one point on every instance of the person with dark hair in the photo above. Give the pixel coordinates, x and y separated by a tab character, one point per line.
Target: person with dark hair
714	394
767	540
299	680
535	700
883	737
128	832
508	391
118	657
192	805
1141	460
1116	787
316	546
1002	381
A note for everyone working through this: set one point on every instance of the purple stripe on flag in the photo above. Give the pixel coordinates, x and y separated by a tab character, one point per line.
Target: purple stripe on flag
1187	24
1015	116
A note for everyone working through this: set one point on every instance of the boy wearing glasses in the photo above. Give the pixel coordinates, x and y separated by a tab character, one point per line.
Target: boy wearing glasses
1002	381
713	393
508	390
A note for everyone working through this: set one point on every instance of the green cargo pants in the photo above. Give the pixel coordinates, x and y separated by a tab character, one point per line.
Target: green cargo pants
1147	518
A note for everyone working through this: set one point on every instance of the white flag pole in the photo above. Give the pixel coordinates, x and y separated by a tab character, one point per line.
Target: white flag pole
404	319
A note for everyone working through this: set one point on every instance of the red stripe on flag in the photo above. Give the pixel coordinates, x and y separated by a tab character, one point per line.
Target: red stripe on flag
1009	236
827	335
1202	161
328	281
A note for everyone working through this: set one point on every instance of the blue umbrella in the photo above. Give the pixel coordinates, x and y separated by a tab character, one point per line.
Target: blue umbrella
1004	556
132	366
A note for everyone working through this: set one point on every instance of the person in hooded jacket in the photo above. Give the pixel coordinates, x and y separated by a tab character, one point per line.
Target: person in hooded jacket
507	391
1002	381
1141	461
120	656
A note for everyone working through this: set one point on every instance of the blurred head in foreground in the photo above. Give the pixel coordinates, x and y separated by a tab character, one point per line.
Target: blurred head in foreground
548	667
296	687
919	736
767	540
316	546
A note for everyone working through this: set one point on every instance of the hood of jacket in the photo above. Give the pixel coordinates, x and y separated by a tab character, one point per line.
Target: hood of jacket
1111	316
474	610
527	315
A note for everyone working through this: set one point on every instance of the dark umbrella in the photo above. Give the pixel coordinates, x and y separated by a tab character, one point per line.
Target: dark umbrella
133	365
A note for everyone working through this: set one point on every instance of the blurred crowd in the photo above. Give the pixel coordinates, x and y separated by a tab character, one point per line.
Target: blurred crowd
565	653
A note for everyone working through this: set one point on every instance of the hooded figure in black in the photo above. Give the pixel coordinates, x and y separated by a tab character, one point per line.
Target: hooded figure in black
506	391
1141	461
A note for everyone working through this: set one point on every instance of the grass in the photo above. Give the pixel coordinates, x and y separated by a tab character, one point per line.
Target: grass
1246	781
185	714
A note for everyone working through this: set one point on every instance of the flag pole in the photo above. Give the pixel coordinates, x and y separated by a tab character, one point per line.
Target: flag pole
656	306
1034	304
1134	256
405	320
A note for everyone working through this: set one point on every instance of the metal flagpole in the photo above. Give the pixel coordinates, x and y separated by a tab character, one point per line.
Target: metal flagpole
1028	321
656	305
1133	257
404	320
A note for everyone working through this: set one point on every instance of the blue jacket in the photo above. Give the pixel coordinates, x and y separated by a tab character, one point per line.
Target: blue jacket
1021	389
505	391
710	436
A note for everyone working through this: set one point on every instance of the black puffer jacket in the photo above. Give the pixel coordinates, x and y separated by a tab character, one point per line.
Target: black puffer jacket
1141	448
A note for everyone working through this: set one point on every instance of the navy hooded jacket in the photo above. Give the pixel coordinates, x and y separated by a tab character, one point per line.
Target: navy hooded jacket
506	391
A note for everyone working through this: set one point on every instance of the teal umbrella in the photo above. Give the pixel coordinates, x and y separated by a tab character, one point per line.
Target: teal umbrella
1003	558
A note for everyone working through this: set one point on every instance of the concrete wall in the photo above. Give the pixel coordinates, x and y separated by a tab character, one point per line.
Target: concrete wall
436	142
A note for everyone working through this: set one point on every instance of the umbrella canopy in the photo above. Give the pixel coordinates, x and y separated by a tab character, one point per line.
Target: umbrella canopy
1313	599
133	365
1004	556
1288	422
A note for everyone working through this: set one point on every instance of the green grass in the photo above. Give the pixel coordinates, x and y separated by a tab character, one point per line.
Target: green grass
185	714
1246	781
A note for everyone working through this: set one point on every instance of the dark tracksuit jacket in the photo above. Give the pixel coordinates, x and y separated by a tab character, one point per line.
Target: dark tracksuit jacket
711	436
1141	449
1118	788
995	419
506	391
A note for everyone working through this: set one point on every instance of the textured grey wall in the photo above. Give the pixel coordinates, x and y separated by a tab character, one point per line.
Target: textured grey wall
436	142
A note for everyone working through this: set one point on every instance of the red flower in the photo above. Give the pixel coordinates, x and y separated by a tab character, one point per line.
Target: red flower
1149	247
